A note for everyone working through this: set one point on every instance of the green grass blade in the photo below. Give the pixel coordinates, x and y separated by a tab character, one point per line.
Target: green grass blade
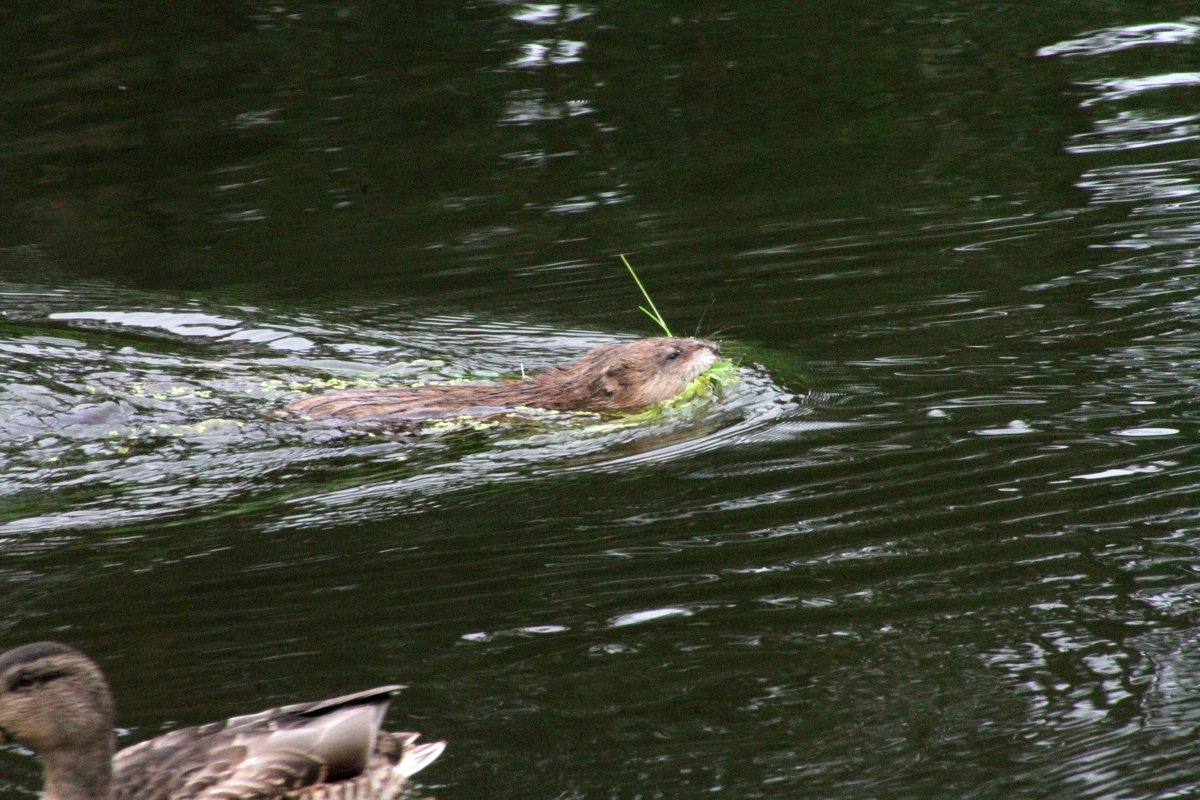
657	317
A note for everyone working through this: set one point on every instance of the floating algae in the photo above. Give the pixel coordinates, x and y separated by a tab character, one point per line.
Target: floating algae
704	387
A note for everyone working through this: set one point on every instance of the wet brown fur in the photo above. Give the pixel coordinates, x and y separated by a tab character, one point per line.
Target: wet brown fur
612	377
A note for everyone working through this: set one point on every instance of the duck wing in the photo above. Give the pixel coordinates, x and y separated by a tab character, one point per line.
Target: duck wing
292	750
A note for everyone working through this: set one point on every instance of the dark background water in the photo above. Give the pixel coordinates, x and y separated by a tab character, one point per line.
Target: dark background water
941	540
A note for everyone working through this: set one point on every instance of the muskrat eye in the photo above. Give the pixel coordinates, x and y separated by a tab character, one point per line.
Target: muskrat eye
24	679
671	356
28	678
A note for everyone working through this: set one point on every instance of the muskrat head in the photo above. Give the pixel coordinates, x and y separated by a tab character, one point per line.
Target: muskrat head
639	374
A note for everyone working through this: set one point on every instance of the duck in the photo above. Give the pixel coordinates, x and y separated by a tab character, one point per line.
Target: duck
55	701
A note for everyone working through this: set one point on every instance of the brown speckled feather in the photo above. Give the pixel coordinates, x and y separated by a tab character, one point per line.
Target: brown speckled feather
327	750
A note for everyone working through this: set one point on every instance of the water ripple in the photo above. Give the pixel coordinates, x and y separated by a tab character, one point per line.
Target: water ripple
1111	90
102	425
1112	40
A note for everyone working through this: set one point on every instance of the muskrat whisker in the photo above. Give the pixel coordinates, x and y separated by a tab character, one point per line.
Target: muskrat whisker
703	314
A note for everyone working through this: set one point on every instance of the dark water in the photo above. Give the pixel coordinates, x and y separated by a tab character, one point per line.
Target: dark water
941	540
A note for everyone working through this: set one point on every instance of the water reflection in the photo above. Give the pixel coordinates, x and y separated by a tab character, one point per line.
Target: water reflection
1114	89
1133	130
548	53
532	106
550	13
1166	213
1112	40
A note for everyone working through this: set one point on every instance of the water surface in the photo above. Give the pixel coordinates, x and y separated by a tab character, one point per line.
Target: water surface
941	539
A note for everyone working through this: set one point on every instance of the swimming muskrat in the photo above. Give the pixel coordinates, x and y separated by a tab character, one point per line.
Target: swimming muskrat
612	377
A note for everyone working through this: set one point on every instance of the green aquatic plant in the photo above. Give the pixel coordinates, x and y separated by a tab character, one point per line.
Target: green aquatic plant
713	380
657	317
703	387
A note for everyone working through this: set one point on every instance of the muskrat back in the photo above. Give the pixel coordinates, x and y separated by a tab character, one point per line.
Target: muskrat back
613	377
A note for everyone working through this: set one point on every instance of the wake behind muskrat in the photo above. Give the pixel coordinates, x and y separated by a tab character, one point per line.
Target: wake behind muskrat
610	378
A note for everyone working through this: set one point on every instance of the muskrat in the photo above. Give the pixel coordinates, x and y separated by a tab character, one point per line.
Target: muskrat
612	377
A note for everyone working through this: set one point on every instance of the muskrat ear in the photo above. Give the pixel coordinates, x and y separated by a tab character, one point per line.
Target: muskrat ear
611	380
